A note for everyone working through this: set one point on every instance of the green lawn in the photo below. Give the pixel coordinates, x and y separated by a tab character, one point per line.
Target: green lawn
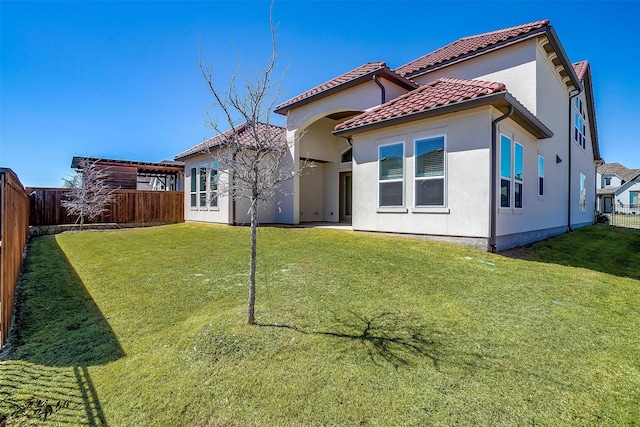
146	327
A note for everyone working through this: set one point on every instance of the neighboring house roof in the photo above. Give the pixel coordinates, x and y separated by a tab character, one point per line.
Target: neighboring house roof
618	170
439	97
469	45
349	79
270	131
583	71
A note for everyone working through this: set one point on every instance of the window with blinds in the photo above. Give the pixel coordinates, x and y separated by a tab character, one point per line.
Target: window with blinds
430	171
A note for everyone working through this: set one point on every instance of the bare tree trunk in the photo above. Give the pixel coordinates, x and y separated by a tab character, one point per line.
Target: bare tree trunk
252	265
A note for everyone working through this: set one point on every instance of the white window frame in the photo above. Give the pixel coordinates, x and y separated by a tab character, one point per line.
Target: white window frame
193	193
540	177
207	198
582	199
579	128
443	176
402	180
517	181
504	177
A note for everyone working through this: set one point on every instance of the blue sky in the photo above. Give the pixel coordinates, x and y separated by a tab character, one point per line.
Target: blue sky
121	79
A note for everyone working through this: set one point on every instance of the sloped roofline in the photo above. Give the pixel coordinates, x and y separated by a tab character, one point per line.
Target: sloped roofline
214	141
544	29
501	100
318	92
583	71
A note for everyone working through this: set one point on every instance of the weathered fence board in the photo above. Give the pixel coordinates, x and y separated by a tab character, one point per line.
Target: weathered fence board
14	227
130	206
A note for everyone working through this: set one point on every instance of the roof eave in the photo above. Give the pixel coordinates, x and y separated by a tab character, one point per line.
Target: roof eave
564	59
503	99
548	30
475	53
383	72
588	90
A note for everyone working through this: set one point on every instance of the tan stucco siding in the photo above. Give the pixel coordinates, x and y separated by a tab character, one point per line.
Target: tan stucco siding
515	66
466	179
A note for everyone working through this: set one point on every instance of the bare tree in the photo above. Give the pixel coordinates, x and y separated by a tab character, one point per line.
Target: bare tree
253	154
89	193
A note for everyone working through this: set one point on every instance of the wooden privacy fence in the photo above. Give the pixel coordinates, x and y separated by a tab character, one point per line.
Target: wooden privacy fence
14	227
130	206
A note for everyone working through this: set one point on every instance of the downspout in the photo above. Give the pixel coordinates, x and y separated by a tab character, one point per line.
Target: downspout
233	199
569	159
382	89
494	168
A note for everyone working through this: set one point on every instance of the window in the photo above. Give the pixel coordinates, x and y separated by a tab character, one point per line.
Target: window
583	193
579	128
346	157
607	181
505	172
391	174
518	176
540	176
194	194
213	185
429	171
634	199
204	186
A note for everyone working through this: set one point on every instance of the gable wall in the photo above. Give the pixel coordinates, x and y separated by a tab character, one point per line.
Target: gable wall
554	110
359	98
515	66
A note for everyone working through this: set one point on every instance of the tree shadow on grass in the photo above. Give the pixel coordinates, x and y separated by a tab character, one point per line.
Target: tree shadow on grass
387	337
58	332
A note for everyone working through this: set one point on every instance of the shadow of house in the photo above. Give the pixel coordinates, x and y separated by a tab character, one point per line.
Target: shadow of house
58	333
609	250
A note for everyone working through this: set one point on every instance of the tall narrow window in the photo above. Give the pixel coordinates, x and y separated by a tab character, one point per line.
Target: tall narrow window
505	172
634	199
518	175
194	187
540	176
391	174
429	171
579	128
202	188
583	192
213	185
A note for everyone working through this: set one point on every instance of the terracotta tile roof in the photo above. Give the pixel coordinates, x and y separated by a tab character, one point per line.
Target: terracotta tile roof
581	69
467	45
343	81
432	95
269	130
619	170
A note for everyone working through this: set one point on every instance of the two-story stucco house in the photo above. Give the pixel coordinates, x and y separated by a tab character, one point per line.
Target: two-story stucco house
490	140
618	188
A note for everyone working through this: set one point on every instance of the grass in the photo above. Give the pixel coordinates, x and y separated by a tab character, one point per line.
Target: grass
146	327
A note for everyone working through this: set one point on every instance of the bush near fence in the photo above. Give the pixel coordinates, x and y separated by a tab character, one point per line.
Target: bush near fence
14	213
129	206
